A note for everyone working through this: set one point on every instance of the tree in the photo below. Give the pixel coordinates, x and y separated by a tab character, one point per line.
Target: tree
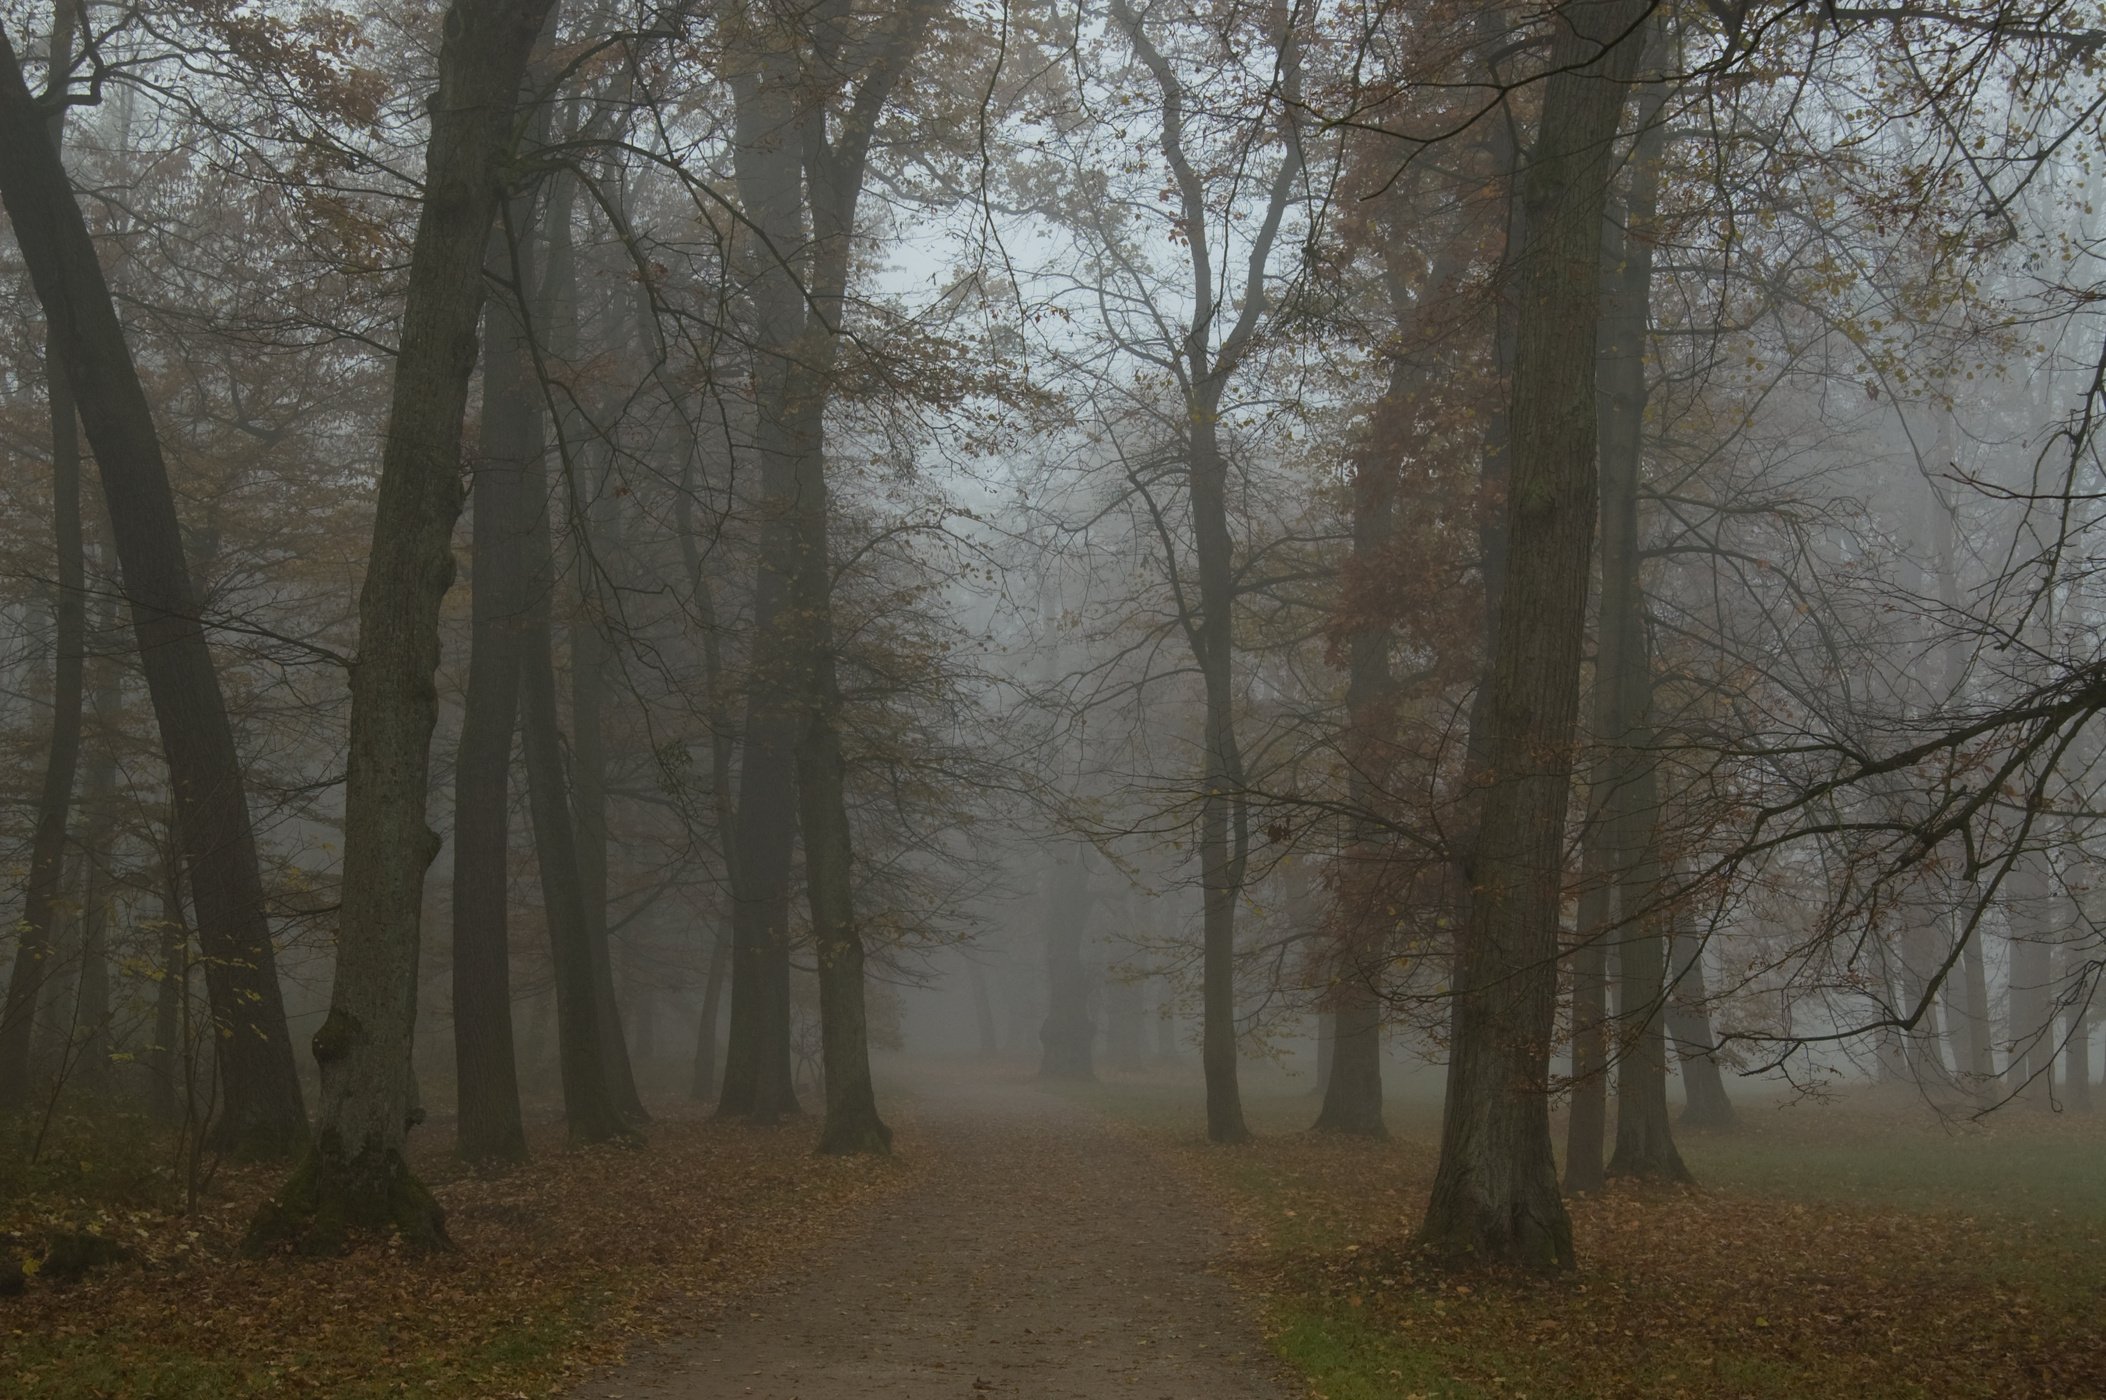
1203	366
808	95
35	952
263	1113
1495	1194
356	1175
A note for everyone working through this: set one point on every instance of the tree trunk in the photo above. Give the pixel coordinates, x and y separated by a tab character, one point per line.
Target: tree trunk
1166	1025
723	743
262	1112
357	1175
1495	1194
1068	1035
1644	1131
1223	830
1587	1121
2029	1033
490	1126
1980	1040
585	498
590	656
591	1098
852	1122
983	1008
757	1078
91	1015
1696	1048
2076	1060
35	949
1353	1097
164	1058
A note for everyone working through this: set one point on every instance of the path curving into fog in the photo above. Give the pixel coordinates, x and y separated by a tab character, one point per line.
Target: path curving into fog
1042	1255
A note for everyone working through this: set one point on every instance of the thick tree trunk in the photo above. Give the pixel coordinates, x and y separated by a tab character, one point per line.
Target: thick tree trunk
262	1111
1495	1193
1350	1069
768	165
1068	1035
357	1176
1353	1096
1644	1131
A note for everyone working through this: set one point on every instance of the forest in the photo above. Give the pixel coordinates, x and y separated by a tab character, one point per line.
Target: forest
1205	698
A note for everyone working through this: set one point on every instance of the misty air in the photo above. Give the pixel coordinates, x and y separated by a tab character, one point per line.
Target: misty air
1059	699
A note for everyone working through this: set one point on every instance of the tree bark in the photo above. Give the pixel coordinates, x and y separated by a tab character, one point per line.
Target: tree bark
584	494
1495	1194
768	169
1587	1120
1696	1047
262	1112
357	1175
490	1127
1632	813
591	1098
35	949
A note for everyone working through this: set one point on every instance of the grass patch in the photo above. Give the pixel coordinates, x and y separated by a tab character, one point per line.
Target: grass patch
1846	1248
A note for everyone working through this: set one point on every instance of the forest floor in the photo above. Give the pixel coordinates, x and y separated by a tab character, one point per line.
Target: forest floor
1859	1247
1087	1242
1043	1253
561	1263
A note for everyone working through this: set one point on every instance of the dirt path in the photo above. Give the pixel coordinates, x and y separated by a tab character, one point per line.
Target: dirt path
1043	1256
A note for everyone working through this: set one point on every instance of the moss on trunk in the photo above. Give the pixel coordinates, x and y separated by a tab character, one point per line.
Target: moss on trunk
331	1198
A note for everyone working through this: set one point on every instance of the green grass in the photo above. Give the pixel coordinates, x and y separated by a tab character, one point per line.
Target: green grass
2028	1170
2033	1185
1348	1360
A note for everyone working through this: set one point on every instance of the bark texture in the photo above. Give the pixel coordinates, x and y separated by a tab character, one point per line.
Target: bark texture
490	1127
1495	1193
357	1175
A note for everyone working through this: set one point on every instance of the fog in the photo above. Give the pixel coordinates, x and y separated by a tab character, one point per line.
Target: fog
1184	699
